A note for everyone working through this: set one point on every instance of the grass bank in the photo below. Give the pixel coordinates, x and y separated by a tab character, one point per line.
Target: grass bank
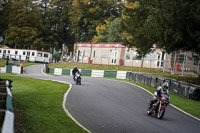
39	103
25	64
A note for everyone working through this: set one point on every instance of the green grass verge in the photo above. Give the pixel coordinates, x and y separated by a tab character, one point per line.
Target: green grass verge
2	63
68	65
25	64
40	104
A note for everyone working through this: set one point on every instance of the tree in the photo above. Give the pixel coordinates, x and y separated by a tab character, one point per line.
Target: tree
136	26
109	32
59	22
24	25
171	25
88	14
4	13
177	24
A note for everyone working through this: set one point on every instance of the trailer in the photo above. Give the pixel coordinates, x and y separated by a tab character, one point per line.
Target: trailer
25	55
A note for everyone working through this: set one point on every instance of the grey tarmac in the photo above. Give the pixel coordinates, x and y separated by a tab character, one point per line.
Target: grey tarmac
111	106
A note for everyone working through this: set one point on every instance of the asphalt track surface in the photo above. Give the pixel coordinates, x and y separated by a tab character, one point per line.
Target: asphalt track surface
110	106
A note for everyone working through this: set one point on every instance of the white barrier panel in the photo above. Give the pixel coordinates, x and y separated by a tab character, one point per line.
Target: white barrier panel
58	71
16	70
3	69
121	74
8	91
8	124
70	72
97	73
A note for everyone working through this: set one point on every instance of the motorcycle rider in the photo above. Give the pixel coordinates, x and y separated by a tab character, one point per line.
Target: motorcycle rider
157	94
75	70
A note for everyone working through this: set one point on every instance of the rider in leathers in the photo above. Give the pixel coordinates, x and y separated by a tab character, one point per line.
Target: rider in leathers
160	90
75	70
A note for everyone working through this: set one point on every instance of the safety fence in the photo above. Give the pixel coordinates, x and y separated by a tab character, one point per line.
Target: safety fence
177	62
11	69
184	63
6	108
184	89
90	73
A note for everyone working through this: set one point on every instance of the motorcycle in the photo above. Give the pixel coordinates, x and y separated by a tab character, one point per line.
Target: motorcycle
78	78
158	108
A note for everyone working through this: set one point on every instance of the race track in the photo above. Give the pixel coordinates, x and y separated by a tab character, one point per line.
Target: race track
111	106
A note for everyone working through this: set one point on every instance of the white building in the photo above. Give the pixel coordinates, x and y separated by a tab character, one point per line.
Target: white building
25	54
116	54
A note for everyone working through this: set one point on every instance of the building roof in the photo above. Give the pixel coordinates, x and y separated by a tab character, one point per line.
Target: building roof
23	49
101	45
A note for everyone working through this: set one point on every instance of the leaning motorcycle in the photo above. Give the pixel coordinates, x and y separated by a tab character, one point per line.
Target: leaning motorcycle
158	108
78	78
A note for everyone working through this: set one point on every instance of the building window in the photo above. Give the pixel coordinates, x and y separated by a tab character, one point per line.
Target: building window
127	56
163	56
16	52
33	53
39	55
196	60
0	51
24	52
87	54
94	54
136	56
80	53
181	58
8	51
76	53
46	55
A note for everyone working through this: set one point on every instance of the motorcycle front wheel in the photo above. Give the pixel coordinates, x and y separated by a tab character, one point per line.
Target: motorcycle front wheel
161	113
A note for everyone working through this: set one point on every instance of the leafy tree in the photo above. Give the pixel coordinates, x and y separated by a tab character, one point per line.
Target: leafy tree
88	14
177	24
24	25
4	12
109	32
171	25
136	25
58	19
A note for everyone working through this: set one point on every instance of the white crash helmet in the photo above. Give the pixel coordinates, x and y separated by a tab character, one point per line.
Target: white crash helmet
165	86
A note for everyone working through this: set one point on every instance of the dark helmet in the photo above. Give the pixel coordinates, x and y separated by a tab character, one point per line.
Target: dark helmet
165	86
75	67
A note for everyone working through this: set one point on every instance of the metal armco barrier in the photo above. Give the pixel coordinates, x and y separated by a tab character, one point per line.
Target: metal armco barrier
6	108
174	86
194	92
184	89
